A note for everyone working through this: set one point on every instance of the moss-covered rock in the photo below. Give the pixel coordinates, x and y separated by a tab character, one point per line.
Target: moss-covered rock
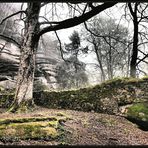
138	111
106	97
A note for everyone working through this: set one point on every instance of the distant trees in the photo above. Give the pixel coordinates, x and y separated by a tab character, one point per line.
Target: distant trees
109	42
9	28
69	75
71	72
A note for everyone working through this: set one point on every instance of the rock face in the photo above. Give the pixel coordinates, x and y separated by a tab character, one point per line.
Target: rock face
46	60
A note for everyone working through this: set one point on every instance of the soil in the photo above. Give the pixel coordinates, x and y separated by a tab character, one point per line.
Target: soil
85	128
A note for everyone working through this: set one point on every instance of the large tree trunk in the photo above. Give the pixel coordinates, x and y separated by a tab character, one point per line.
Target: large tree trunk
24	87
135	40
134	51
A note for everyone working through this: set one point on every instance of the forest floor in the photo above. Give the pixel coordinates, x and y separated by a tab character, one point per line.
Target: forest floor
83	128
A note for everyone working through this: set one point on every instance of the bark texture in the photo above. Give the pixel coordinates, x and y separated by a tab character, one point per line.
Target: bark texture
135	40
24	86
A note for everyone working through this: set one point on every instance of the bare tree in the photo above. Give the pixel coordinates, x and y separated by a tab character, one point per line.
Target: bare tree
138	12
109	42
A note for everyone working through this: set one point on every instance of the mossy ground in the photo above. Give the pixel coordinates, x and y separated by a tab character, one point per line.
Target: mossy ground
33	128
138	111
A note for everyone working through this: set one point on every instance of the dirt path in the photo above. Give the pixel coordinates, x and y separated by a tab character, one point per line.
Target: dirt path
84	128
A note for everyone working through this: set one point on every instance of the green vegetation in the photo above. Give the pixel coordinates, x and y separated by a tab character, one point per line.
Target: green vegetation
39	86
139	111
145	78
31	128
6	100
109	122
1	88
106	97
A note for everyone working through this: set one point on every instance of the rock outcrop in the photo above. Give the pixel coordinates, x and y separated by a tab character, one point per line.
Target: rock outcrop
46	60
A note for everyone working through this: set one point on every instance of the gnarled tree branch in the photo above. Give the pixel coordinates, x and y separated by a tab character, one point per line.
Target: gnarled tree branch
11	16
77	20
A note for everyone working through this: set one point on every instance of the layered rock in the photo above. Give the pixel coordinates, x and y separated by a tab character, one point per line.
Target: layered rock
46	60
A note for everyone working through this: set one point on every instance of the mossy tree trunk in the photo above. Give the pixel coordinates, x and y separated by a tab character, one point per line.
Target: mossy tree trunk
24	87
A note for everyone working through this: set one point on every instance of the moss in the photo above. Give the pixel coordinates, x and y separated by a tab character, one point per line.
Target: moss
6	99
24	106
108	122
2	88
138	111
145	78
23	120
31	128
114	81
53	123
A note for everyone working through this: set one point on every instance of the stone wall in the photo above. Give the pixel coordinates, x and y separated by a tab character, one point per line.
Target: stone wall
107	97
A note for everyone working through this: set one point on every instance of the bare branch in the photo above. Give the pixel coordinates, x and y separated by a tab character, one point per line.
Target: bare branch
141	60
103	36
43	4
11	16
2	78
48	23
131	10
61	51
77	20
3	47
141	71
142	52
17	56
74	8
85	8
10	39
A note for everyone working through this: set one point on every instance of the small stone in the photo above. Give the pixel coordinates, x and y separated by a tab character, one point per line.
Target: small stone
141	114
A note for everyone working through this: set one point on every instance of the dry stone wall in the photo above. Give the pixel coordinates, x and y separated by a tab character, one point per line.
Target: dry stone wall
107	97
